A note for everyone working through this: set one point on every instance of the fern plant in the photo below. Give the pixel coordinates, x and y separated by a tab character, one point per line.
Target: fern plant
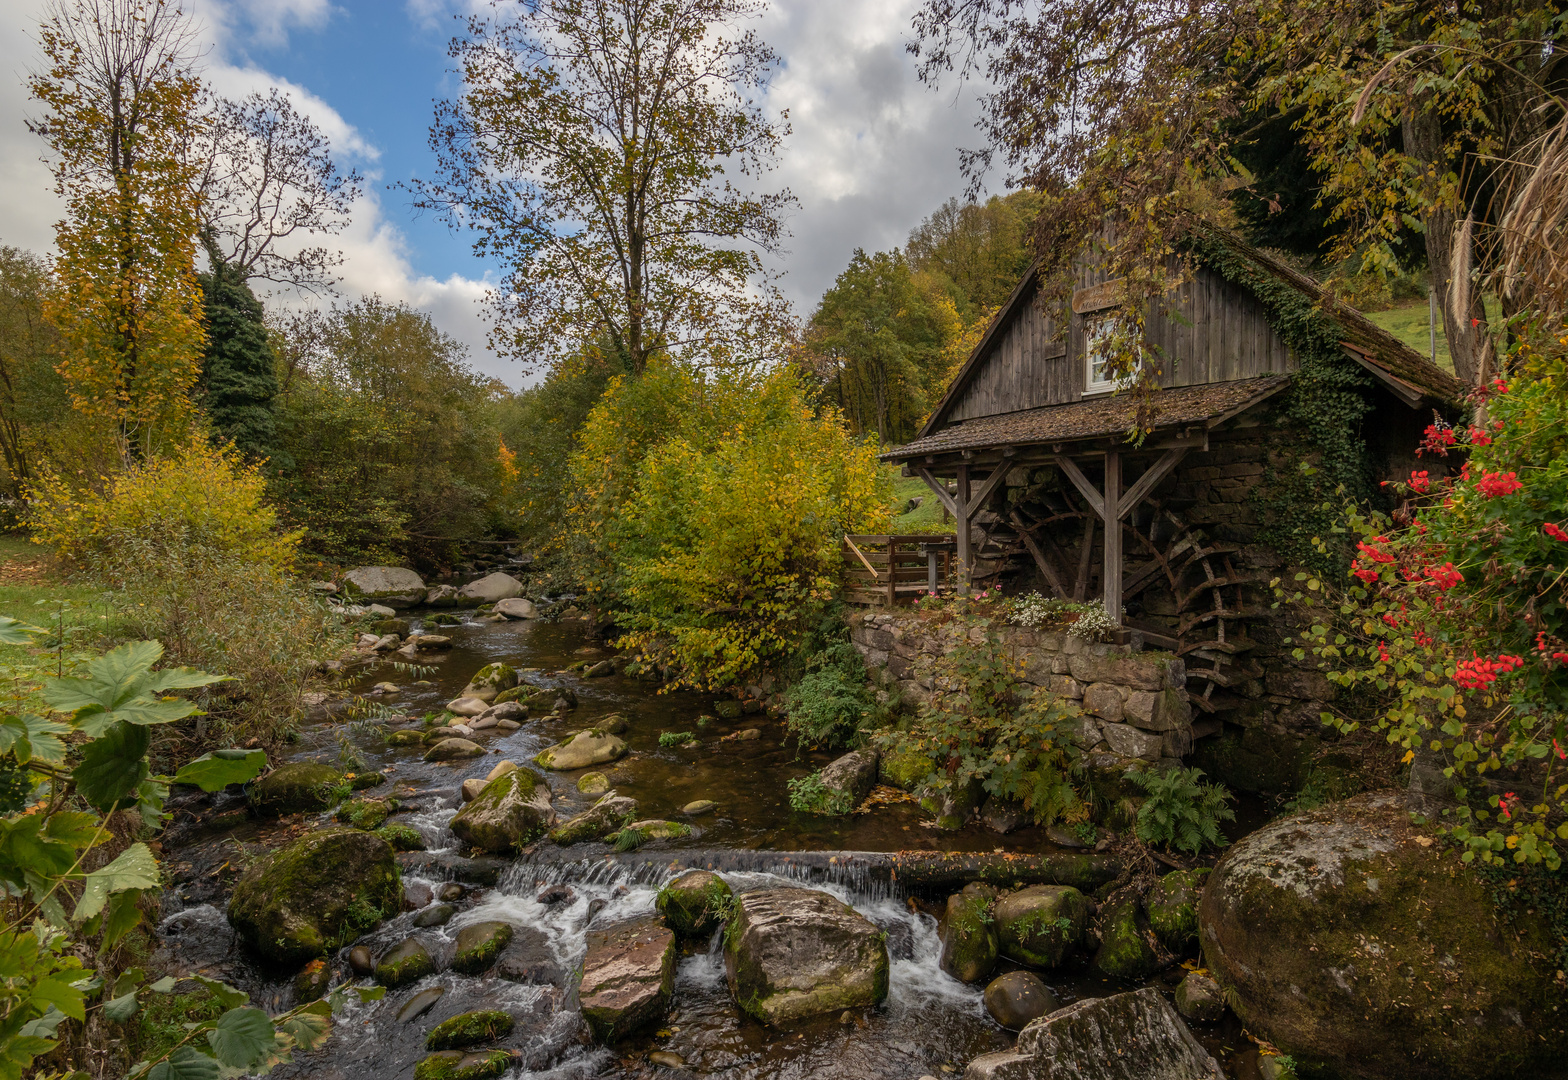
1181	811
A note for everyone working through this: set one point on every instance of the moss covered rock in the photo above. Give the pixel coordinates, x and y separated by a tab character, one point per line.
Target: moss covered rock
594	783
510	813
598	821
296	787
454	749
456	1065
367	814
489	682
1040	924
694	903
593	747
969	938
790	954
1172	907
407	962
1364	948
1127	945
469	1029
317	894
478	944
904	767
952	807
402	837
406	737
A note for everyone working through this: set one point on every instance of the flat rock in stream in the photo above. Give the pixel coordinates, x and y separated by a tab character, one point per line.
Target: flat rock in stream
586	748
295	787
478	945
598	821
628	976
790	954
457	749
1134	1036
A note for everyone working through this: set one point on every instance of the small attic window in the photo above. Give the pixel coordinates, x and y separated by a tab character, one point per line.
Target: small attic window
1102	335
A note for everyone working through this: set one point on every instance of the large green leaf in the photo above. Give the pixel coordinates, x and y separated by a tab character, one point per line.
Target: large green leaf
307	1030
15	632
219	769
226	995
112	767
120	917
133	868
122	687
120	1009
243	1037
186	1063
31	737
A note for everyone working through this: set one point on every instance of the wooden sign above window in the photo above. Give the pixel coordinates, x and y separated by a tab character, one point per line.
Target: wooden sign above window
1097	297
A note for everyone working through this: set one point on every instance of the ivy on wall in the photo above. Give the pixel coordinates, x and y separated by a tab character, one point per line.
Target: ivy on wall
1321	457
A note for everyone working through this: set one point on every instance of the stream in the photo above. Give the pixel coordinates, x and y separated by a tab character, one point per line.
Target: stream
931	1024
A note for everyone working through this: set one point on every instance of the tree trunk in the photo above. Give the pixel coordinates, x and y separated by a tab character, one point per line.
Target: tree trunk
1467	342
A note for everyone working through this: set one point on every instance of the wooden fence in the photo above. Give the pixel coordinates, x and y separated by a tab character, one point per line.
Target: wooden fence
886	570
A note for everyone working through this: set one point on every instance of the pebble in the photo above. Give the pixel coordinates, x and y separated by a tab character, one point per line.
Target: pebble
507	726
361	960
420	1003
701	806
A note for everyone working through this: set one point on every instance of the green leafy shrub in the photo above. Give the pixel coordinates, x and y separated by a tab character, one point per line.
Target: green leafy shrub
831	700
1181	811
809	795
669	739
979	727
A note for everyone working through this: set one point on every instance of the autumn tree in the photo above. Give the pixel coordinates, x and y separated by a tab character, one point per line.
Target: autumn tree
32	397
603	150
120	110
878	339
271	191
978	251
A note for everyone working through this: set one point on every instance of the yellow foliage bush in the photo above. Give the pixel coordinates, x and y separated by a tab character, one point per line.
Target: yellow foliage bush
719	545
200	497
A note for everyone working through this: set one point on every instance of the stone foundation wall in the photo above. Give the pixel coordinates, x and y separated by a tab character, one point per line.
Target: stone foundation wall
1134	701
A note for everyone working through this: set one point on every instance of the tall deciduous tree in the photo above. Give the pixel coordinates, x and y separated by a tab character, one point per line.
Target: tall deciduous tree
32	399
270	191
978	251
121	110
595	148
878	338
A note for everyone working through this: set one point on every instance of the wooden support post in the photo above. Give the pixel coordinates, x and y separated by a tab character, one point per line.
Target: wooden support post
931	582
962	511
1040	560
1085	555
1112	577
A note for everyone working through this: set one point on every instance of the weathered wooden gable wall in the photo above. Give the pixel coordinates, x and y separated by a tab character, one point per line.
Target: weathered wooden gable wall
1216	332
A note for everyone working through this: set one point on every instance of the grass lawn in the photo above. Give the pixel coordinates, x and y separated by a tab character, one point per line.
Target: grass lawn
927	518
32	591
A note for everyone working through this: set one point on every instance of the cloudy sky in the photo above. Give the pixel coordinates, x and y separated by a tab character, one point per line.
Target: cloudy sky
873	151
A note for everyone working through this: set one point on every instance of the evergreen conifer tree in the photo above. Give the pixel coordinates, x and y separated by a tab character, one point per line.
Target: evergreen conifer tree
239	385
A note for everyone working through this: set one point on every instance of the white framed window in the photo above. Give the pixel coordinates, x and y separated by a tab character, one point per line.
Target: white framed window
1103	336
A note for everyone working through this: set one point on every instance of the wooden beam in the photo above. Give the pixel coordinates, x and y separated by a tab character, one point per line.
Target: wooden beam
961	514
996	477
1085	557
939	488
1149	481
1112	576
1081	482
1035	553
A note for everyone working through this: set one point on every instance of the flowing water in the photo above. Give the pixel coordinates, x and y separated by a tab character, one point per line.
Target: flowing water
931	1023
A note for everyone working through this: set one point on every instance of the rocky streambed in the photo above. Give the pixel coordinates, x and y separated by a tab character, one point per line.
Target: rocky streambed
475	876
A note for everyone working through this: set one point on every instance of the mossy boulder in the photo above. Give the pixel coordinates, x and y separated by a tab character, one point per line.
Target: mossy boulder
1018	997
693	903
1172	907
969	938
641	832
489	682
952	806
538	699
367	814
1040	924
456	1065
598	821
470	1029
402	837
406	737
586	748
510	813
316	894
594	783
1363	947
299	786
904	768
1127	945
454	749
790	954
406	962
478	944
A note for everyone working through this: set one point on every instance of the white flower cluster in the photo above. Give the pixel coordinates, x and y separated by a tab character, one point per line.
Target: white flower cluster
1094	623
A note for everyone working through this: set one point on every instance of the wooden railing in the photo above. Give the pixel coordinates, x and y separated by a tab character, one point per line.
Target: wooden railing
885	570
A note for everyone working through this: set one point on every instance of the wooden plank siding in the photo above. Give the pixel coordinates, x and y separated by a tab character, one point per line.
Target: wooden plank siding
1216	332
